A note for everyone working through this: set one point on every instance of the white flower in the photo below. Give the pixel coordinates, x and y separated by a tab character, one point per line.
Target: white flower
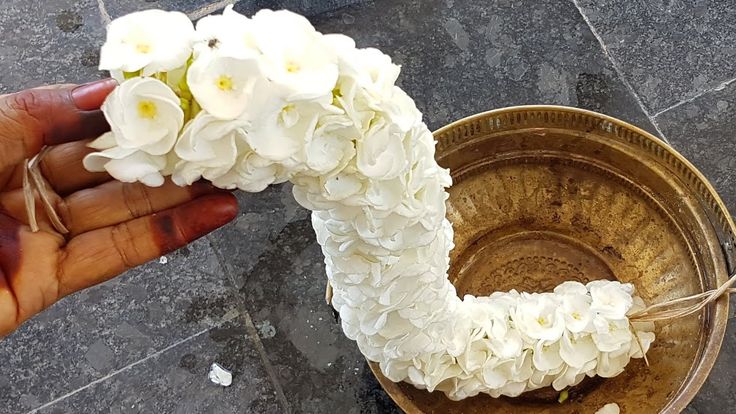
611	335
342	186
546	356
294	55
279	130
540	379
610	299
576	311
536	316
571	287
230	34
144	114
380	153
208	147
645	341
494	376
385	194
507	346
125	165
568	377
577	350
519	369
252	173
330	149
223	85
611	364
370	69
401	110
151	41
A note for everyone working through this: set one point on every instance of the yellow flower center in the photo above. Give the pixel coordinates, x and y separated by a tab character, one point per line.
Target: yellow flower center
225	83
147	109
143	48
541	321
576	316
292	67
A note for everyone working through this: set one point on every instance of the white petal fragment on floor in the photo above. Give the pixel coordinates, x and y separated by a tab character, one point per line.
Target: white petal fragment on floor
611	408
220	375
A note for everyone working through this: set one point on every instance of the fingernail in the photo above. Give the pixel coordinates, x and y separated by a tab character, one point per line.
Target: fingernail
90	96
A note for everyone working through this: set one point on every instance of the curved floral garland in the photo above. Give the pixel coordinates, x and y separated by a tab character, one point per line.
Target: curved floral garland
249	102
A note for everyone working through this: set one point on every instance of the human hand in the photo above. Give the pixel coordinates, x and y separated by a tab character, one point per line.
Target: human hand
112	226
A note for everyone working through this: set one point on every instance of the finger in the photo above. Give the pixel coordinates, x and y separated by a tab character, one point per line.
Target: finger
8	307
115	202
13	204
36	117
99	255
62	167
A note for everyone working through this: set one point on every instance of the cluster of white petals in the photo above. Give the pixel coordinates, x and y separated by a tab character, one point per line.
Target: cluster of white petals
249	102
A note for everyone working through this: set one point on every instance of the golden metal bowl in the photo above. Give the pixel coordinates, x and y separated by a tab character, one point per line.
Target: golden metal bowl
545	194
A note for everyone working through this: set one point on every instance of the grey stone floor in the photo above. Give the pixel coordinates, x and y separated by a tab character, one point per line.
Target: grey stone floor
250	295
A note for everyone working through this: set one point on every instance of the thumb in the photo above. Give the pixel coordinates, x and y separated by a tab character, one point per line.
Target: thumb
50	115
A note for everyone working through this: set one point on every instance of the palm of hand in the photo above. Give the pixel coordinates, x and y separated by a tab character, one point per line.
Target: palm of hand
113	226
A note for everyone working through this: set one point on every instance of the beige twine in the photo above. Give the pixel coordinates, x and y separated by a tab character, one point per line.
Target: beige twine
681	307
35	183
678	308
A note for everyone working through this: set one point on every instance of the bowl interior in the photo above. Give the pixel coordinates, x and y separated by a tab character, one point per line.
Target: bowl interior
543	195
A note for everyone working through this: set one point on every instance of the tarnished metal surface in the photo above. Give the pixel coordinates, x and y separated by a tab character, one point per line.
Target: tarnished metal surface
545	194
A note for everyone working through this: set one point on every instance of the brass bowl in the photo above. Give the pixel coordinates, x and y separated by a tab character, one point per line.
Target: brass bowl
545	194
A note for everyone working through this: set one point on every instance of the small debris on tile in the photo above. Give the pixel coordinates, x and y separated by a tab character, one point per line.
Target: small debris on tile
163	260
220	375
266	330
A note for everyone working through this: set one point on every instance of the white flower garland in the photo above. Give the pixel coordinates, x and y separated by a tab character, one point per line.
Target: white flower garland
249	102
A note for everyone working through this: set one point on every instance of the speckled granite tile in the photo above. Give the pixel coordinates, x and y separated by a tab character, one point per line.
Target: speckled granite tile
718	394
176	381
307	7
273	257
703	131
668	49
56	43
460	57
88	335
117	8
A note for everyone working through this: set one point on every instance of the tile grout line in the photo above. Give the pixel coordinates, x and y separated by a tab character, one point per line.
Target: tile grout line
720	86
253	334
103	12
619	71
128	367
208	9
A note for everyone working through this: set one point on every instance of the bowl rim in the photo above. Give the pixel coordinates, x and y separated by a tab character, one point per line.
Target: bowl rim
713	342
